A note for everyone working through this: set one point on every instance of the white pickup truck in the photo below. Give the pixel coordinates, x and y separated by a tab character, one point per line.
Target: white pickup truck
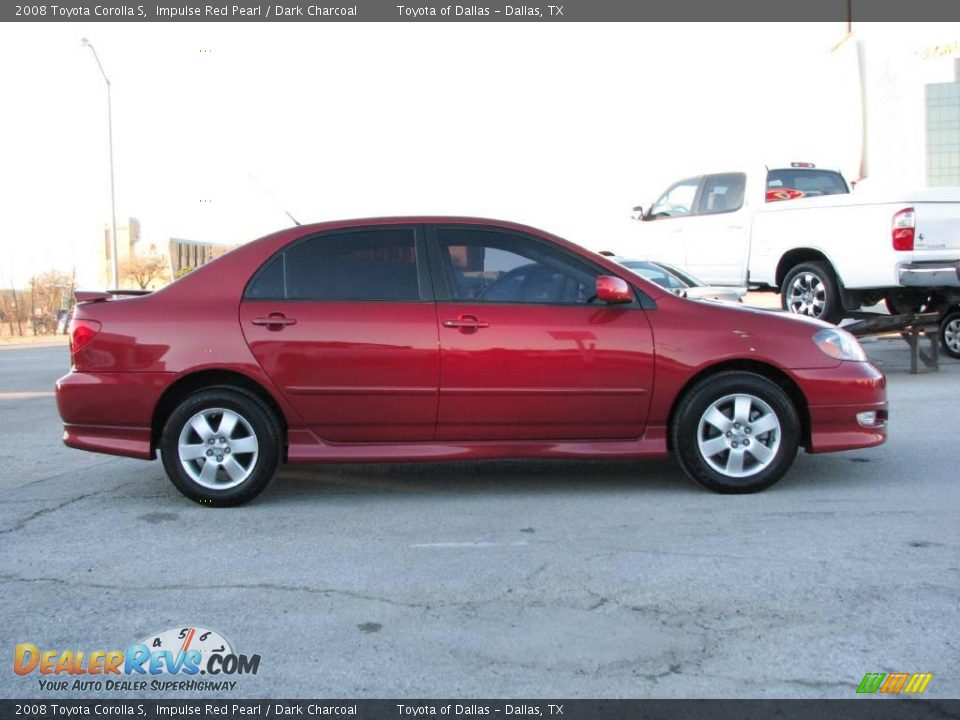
798	230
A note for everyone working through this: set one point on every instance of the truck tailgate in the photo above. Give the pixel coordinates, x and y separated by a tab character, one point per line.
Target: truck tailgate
938	231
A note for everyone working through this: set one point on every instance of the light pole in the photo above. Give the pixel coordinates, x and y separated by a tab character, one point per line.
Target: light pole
113	199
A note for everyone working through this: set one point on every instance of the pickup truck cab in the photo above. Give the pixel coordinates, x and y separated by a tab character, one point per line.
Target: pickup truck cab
798	229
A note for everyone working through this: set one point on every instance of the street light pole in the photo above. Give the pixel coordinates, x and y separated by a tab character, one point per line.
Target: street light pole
113	198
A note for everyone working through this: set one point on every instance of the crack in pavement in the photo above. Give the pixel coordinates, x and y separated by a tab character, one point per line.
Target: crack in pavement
206	588
91	466
23	522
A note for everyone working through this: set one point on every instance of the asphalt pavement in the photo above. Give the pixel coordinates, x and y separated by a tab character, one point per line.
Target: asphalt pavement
507	579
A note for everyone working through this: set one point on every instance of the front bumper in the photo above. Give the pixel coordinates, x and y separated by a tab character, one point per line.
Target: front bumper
835	399
931	274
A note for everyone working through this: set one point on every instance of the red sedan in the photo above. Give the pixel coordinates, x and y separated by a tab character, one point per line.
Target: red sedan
429	338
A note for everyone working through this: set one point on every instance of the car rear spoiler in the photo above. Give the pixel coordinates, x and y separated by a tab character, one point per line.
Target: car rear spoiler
90	296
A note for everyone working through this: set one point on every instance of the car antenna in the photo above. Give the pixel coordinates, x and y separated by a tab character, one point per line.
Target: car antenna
276	202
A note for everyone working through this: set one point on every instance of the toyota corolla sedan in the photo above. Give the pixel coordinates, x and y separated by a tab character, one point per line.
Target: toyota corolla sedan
417	339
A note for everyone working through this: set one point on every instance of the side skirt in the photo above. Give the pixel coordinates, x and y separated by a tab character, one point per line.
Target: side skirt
305	447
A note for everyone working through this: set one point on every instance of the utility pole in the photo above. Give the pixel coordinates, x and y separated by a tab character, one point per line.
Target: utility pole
115	266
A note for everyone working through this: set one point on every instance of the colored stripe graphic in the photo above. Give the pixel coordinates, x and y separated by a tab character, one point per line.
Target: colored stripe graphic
918	683
894	683
871	682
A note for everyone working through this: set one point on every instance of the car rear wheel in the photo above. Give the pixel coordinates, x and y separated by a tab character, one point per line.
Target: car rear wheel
736	432
221	446
950	334
811	289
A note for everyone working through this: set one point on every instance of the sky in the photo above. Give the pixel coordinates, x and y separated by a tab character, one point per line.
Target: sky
562	126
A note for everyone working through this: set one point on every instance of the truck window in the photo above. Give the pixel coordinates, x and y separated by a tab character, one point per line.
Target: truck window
677	201
793	183
722	193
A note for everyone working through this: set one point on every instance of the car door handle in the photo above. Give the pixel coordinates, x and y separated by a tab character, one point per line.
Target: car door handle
466	322
274	321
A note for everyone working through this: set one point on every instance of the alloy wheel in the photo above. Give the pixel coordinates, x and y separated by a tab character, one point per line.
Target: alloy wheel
951	335
218	448
807	295
739	435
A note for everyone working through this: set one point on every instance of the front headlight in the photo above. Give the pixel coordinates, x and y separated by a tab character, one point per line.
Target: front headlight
839	344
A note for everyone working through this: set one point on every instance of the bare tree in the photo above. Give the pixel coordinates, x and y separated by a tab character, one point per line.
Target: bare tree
48	296
145	269
11	310
50	290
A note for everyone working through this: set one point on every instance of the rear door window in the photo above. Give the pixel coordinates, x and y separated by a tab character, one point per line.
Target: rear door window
368	264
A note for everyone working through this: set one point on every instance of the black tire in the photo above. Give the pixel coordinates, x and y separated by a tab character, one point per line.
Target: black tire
816	281
256	467
950	333
690	428
909	304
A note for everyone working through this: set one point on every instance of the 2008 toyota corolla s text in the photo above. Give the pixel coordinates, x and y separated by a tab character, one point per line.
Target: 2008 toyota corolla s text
432	338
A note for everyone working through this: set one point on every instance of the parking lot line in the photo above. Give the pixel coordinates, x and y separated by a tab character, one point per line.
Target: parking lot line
25	395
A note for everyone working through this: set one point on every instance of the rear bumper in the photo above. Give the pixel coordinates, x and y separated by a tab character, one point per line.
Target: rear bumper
835	399
929	274
110	412
134	442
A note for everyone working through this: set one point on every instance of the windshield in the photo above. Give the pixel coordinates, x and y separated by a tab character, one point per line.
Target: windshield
655	274
793	183
685	277
676	201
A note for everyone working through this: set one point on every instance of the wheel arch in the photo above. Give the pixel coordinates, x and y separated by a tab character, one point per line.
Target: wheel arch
794	257
766	370
203	379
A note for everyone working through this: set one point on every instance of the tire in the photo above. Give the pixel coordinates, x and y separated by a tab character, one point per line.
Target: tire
905	305
950	334
244	459
811	289
710	409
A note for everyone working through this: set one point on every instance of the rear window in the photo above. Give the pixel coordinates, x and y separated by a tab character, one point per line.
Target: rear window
793	183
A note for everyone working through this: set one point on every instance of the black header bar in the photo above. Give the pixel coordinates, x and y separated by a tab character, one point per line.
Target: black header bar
480	11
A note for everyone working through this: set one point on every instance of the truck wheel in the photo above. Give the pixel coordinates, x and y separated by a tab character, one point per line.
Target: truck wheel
950	334
736	432
810	289
908	304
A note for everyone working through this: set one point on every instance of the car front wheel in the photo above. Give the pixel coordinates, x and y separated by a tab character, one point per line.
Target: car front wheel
736	432
221	447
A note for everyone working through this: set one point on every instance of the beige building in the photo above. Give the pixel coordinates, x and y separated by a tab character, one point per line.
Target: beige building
151	265
128	236
896	110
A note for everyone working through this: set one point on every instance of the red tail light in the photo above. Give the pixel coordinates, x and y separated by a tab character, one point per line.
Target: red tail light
904	226
81	333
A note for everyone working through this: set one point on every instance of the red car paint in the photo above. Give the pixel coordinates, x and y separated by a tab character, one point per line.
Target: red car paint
392	381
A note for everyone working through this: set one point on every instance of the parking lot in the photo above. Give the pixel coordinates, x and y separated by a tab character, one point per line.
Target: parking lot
510	579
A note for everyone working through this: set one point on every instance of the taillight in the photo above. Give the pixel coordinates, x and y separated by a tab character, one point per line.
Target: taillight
81	333
904	225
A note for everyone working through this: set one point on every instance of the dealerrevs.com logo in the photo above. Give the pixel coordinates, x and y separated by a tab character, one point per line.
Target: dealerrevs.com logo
167	661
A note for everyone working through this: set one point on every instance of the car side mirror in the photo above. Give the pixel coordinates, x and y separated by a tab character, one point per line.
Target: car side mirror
613	290
637	213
